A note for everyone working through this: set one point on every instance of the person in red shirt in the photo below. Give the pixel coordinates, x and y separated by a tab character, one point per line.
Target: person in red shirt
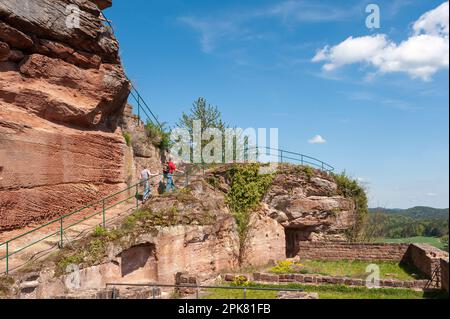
169	169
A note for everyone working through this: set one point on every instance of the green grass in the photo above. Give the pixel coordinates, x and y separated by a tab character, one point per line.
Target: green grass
347	268
436	242
325	292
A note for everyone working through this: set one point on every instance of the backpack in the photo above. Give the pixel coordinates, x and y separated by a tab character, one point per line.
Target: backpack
166	168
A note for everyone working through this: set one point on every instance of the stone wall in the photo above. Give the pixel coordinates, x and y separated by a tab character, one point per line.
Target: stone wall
319	279
444	273
348	251
426	258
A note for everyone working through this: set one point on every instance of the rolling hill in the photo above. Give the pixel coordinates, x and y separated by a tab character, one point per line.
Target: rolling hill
417	213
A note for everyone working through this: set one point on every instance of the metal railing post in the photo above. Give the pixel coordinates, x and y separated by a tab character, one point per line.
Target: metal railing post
7	257
61	233
301	160
104	213
137	196
139	110
245	293
281	154
114	293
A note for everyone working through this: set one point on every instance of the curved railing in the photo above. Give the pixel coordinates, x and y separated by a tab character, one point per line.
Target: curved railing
284	156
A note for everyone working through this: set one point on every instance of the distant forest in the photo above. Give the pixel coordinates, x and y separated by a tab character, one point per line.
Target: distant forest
412	222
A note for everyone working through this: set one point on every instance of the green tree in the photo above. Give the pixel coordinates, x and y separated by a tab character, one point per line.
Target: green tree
209	117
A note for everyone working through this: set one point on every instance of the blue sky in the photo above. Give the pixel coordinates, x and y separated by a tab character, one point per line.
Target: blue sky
379	99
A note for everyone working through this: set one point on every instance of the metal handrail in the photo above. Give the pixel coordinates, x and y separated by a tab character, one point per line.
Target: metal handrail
134	93
302	158
197	287
63	228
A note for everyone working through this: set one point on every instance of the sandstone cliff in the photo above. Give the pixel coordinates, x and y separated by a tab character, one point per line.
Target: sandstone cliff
193	230
142	151
62	91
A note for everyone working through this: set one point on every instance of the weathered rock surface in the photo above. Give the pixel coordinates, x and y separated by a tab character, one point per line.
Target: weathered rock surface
47	19
4	51
62	92
309	207
266	243
144	153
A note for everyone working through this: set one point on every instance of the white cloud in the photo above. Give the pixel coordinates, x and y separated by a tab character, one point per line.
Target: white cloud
421	55
317	140
431	194
351	50
210	31
433	22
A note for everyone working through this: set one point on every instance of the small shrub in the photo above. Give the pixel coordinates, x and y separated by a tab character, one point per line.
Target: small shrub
127	138
240	281
158	135
309	171
139	217
61	266
99	231
288	267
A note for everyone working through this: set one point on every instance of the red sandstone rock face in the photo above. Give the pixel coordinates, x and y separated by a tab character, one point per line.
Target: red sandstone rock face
143	152
62	91
309	206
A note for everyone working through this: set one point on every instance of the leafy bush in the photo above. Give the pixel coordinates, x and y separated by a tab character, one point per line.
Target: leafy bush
99	231
309	171
240	281
159	135
288	267
61	266
350	188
